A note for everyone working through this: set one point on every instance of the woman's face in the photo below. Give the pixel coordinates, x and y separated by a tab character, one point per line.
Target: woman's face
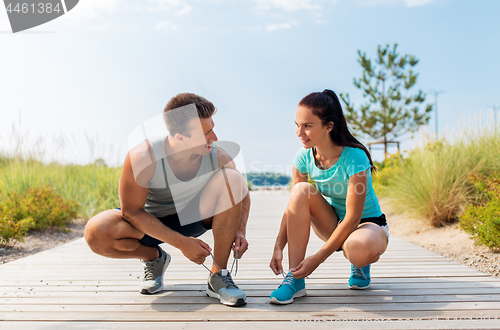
309	129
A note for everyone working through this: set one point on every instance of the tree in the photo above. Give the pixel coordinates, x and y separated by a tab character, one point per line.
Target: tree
391	109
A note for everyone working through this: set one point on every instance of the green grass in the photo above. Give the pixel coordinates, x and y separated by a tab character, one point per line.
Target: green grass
36	196
431	183
94	187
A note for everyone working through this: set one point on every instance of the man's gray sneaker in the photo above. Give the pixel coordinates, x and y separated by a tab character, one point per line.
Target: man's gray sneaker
222	287
153	273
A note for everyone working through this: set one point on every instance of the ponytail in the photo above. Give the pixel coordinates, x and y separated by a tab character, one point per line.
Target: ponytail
326	106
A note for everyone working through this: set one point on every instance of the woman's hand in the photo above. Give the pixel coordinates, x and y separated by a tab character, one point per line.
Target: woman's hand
276	260
306	267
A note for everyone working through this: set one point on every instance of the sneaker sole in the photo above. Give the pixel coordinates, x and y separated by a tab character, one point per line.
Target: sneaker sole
298	294
167	262
355	287
213	294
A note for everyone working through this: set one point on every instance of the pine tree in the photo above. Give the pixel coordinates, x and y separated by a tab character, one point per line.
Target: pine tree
391	110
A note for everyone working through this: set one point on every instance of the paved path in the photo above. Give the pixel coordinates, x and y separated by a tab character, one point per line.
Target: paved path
69	287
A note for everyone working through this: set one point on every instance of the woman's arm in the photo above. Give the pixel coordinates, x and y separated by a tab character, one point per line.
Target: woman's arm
282	239
355	202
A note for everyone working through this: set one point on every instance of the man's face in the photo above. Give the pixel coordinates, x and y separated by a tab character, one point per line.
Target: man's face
202	136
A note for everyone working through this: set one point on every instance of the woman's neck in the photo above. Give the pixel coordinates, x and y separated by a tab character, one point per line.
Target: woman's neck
327	150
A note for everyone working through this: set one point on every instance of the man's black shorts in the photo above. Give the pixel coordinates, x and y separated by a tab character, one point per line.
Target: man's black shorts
194	229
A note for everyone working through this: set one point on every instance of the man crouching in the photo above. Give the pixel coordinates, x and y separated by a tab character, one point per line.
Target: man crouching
174	188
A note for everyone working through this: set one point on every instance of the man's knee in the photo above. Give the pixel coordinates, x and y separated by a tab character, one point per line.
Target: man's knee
232	181
97	231
93	231
91	234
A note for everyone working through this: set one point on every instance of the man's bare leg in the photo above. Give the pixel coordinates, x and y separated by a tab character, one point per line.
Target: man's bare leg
107	234
222	196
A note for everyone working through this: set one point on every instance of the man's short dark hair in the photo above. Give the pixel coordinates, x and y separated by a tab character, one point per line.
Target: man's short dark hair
177	121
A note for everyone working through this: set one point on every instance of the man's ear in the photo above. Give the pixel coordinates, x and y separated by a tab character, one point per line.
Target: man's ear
179	137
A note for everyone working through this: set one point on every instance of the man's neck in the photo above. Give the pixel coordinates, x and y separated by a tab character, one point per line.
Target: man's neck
176	153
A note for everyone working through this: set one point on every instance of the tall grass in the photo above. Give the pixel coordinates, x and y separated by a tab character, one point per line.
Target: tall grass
432	183
94	186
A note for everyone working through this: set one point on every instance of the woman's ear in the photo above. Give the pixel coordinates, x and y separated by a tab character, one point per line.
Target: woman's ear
329	126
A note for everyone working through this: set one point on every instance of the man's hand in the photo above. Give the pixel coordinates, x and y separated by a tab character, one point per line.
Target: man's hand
195	250
306	267
276	260
240	244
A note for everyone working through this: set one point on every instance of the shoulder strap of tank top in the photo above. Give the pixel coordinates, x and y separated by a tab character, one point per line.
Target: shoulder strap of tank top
212	162
164	172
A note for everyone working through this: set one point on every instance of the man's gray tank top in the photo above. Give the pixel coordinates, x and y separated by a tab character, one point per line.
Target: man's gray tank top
167	194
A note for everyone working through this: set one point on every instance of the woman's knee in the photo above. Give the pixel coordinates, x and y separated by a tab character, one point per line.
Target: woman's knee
360	259
362	251
302	190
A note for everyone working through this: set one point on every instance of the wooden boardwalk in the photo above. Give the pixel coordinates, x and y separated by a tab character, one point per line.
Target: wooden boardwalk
69	287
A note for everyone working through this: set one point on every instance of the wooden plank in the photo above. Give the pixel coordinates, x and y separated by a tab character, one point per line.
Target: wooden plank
236	315
209	305
70	283
254	298
376	323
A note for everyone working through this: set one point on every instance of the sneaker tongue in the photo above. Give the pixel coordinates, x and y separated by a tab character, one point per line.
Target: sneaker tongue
224	272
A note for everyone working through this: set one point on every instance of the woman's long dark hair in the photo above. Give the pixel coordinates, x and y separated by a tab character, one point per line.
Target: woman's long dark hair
326	106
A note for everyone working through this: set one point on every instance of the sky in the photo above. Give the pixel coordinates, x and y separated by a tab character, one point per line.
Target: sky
91	76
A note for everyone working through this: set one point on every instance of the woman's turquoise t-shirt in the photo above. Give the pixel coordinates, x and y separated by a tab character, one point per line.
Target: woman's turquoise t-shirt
333	182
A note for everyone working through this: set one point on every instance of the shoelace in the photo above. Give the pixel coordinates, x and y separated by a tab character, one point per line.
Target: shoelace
149	271
218	269
357	271
229	281
287	279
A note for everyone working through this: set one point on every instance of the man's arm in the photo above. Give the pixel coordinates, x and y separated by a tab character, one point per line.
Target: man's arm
133	195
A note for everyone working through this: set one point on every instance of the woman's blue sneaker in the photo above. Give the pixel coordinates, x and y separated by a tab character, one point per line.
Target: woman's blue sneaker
360	277
289	289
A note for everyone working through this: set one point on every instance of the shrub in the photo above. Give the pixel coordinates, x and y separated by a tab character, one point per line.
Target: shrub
43	205
433	186
12	230
95	187
389	168
482	221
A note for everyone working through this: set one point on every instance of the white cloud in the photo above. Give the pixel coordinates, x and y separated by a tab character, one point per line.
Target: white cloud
416	3
184	11
92	9
166	4
281	26
166	26
288	5
387	3
4	25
